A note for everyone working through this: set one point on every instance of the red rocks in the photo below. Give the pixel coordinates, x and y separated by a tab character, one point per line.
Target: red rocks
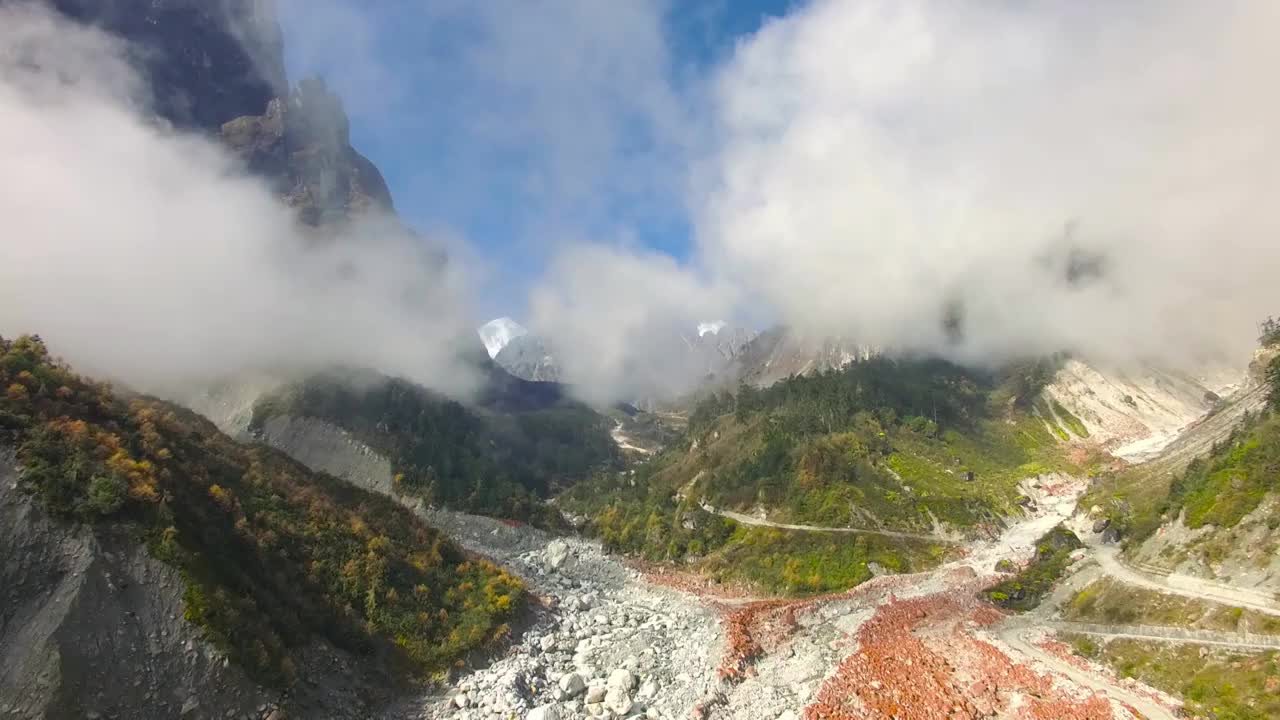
918	660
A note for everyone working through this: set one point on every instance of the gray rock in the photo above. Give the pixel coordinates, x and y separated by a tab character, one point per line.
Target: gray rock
557	554
573	685
648	689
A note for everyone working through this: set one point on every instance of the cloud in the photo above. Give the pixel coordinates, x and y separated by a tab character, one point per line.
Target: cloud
147	256
1092	176
619	319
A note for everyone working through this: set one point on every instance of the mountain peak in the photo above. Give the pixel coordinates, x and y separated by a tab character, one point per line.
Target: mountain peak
712	328
497	333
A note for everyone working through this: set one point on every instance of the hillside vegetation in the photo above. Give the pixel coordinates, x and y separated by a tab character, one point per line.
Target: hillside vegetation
1218	488
274	556
488	461
881	444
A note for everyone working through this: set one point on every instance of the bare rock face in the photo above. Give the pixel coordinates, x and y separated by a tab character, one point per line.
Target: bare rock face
218	66
206	61
302	145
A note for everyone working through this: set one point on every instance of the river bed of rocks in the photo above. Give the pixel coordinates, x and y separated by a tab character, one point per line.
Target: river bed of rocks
606	644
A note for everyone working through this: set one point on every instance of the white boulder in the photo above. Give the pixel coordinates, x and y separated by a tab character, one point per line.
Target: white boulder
618	701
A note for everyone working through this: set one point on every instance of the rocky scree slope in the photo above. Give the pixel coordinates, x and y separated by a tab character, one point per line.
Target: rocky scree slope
1135	413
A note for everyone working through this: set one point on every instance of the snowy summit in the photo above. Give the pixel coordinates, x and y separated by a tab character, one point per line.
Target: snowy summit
710	327
497	333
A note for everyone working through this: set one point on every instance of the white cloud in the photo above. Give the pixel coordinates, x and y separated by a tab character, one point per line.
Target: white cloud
621	318
148	257
882	161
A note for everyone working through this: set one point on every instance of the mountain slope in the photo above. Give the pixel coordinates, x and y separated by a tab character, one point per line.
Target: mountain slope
206	62
521	440
1135	413
780	352
274	558
527	357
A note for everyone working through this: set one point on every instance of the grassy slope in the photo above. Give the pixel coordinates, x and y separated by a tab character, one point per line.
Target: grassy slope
1230	685
274	555
1228	484
1215	683
1218	489
870	473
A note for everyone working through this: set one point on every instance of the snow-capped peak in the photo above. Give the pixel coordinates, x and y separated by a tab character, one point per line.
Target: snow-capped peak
710	327
495	334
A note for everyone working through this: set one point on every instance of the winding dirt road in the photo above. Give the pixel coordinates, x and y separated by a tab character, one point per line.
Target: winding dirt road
1109	560
761	522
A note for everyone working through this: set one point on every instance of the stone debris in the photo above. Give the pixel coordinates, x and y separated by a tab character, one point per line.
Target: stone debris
611	644
607	644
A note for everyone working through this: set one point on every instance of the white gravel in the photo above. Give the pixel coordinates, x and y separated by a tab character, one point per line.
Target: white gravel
609	645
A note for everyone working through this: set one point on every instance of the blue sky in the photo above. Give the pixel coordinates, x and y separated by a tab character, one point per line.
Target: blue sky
510	128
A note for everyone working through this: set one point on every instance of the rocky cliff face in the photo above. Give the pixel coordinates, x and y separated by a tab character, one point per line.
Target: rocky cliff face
206	61
217	66
302	144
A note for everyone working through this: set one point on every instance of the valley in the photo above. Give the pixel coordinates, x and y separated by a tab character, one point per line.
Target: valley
785	443
662	640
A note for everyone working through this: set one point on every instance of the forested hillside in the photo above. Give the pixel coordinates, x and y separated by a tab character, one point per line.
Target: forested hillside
882	443
910	445
274	556
495	460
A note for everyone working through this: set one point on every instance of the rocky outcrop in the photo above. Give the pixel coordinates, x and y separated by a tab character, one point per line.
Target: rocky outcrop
205	61
302	145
